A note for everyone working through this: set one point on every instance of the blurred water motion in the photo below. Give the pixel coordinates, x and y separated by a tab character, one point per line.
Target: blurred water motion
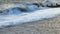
27	12
28	7
21	9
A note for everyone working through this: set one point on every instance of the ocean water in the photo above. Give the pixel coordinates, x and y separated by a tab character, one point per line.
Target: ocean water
26	13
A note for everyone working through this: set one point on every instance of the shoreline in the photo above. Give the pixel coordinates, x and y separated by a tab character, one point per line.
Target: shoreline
45	26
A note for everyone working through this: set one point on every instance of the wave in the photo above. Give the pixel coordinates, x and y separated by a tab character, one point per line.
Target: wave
23	13
28	17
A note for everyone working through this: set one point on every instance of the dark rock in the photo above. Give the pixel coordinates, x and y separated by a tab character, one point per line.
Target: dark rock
53	6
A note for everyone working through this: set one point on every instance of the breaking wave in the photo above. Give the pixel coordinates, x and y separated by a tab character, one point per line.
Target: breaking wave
26	13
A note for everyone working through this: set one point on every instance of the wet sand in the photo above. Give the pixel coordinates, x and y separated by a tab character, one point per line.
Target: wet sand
46	26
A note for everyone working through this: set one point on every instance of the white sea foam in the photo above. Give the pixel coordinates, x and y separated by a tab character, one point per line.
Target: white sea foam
34	16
